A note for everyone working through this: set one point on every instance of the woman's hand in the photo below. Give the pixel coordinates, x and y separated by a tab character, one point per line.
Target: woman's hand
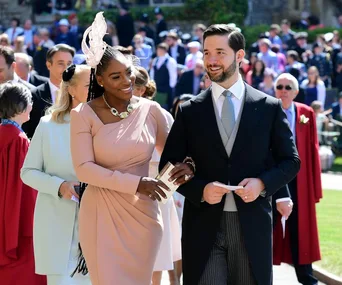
182	173
67	189
151	188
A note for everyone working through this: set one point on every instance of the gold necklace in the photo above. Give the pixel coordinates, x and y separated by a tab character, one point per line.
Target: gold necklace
116	113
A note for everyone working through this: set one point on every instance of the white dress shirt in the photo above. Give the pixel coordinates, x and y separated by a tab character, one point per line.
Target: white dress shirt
238	90
171	66
174	51
293	121
54	91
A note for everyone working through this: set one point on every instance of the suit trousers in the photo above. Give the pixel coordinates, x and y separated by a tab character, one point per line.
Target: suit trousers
228	263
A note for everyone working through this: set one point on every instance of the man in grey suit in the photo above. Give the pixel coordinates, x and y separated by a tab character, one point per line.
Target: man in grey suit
229	131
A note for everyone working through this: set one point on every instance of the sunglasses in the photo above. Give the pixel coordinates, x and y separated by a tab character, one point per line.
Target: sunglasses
281	87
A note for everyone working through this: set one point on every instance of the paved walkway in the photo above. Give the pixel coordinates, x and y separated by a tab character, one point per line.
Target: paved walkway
332	181
283	275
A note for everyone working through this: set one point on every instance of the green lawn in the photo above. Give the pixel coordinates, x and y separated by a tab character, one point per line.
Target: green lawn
337	166
329	213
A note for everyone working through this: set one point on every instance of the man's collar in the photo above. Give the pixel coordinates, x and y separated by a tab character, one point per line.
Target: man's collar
237	89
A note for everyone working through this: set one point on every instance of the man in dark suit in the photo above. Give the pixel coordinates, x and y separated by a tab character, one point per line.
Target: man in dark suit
144	22
176	50
228	131
189	82
58	58
337	108
125	27
161	25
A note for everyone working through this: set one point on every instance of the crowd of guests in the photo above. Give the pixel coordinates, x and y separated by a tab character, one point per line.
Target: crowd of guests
48	68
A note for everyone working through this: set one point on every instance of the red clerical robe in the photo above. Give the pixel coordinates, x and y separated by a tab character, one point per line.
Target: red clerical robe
17	202
309	192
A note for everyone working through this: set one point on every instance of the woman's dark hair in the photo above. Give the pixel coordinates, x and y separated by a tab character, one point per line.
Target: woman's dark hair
236	40
254	73
181	99
14	99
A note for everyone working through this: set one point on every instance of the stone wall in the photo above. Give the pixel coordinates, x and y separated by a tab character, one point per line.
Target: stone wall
10	9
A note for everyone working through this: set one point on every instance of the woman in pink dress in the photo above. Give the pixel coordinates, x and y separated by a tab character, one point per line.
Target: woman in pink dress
112	140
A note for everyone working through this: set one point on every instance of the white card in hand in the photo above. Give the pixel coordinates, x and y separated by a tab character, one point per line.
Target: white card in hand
228	187
164	176
283	223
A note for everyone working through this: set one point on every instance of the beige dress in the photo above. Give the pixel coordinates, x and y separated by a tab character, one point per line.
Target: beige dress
120	229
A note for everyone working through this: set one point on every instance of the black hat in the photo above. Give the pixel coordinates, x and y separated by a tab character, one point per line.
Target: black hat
316	45
263	36
158	11
144	18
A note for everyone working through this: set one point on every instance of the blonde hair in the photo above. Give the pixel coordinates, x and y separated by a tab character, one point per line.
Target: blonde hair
63	104
143	79
19	44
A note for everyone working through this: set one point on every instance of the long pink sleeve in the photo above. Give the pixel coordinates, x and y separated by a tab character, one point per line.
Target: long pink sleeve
83	159
164	122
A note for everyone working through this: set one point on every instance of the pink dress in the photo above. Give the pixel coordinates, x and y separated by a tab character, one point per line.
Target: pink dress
120	230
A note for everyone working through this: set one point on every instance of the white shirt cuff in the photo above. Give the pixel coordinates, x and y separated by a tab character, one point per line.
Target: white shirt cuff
288	199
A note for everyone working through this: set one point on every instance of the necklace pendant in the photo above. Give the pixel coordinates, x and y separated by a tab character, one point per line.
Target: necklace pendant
114	112
123	115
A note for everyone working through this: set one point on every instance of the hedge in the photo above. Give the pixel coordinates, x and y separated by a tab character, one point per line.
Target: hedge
218	11
207	11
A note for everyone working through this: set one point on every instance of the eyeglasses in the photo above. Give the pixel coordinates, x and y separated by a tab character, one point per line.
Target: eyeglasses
281	87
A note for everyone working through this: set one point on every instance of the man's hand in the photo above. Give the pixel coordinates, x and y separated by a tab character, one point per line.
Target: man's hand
213	194
251	189
285	208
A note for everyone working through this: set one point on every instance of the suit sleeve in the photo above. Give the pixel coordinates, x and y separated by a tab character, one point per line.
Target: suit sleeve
32	172
83	158
176	150
284	153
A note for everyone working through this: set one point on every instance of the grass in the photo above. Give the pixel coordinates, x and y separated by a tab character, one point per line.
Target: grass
329	214
337	166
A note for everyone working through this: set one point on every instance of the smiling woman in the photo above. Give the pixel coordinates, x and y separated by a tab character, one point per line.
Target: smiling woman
112	140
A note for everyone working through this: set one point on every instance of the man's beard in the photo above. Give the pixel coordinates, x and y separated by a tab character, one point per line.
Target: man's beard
225	75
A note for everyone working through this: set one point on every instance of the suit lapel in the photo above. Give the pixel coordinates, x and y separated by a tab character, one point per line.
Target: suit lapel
249	120
46	94
210	122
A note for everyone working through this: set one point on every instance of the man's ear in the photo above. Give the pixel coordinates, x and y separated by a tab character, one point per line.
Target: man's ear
240	55
48	65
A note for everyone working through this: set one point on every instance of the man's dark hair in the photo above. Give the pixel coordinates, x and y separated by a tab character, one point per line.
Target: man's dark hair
14	99
16	20
60	47
8	54
236	40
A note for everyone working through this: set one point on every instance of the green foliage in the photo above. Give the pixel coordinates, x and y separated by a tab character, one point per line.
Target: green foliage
252	33
209	11
329	211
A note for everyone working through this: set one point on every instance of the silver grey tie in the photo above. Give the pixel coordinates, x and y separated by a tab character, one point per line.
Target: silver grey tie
228	113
